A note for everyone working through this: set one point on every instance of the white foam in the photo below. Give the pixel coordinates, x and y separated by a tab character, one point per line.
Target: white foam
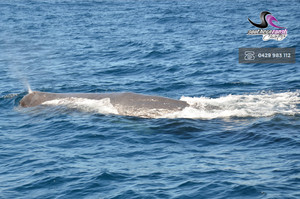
102	106
252	105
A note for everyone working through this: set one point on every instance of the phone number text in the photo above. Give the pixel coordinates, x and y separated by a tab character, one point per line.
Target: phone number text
274	55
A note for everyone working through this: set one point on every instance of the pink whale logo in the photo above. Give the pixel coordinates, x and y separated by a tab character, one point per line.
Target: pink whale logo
266	18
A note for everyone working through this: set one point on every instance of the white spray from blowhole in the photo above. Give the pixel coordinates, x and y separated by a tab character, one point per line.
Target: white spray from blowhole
26	83
22	77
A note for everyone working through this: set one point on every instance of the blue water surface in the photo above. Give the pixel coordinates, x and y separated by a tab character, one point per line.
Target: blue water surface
168	48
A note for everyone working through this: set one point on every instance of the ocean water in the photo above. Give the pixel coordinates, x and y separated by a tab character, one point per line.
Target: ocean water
239	139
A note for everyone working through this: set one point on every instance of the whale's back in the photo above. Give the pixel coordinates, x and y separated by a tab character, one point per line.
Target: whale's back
131	104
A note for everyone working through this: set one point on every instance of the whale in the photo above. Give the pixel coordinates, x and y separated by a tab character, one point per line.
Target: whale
126	103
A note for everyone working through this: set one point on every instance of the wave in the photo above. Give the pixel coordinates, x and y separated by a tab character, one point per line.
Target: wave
251	105
247	105
102	106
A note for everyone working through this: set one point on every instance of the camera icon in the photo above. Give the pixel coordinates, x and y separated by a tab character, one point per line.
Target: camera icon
249	55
